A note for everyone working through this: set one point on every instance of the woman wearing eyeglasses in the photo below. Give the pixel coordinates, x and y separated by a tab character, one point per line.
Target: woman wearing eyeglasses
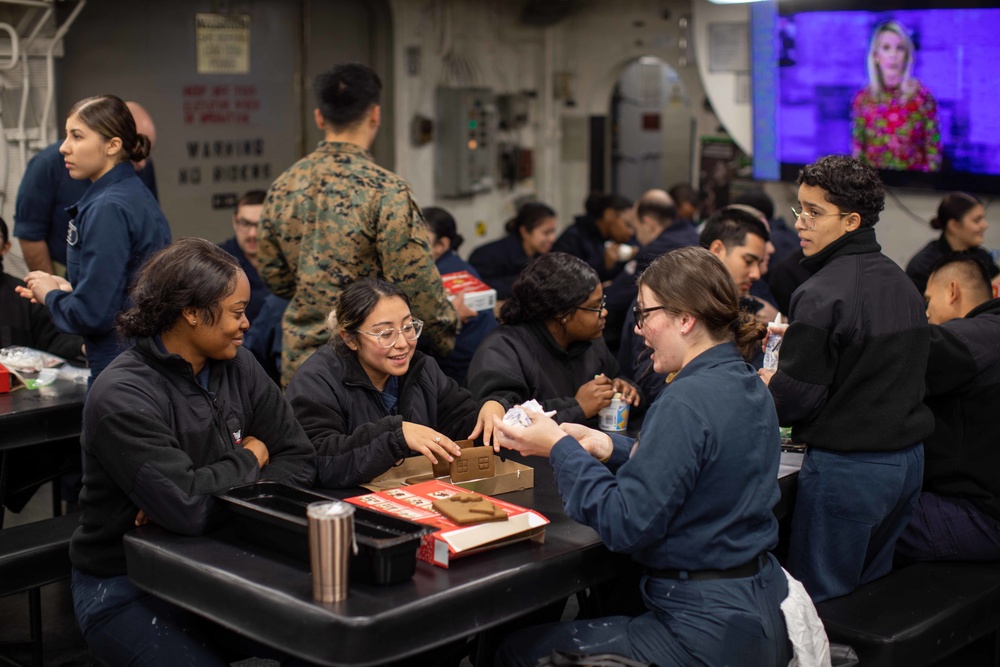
549	346
690	499
369	399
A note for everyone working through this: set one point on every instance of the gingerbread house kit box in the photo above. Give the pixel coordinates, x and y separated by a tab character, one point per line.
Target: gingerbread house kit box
477	469
451	540
478	295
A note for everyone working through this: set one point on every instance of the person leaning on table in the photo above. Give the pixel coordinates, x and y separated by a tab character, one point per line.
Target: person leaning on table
958	514
182	415
690	498
368	398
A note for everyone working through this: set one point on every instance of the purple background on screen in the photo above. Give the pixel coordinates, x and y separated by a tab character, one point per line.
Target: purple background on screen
822	66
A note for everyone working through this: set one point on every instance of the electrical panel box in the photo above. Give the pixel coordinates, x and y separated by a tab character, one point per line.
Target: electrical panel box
465	141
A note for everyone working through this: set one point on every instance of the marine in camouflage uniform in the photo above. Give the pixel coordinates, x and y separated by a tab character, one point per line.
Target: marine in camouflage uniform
335	217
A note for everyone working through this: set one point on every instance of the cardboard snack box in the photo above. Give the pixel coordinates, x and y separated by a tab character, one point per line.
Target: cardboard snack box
507	476
450	540
478	295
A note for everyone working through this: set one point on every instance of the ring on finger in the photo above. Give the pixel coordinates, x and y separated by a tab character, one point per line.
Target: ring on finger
437	439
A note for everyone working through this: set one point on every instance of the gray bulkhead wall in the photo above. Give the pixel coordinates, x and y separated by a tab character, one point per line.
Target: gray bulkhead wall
218	135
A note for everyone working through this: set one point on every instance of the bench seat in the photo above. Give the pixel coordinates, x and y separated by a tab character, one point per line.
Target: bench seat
918	614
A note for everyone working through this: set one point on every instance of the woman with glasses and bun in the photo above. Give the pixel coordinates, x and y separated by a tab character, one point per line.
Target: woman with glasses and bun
113	229
549	345
690	498
369	398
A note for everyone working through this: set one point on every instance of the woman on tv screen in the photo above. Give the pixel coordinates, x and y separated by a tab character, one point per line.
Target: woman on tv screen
894	119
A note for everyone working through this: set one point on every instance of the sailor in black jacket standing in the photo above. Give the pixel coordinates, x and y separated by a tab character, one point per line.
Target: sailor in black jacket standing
850	382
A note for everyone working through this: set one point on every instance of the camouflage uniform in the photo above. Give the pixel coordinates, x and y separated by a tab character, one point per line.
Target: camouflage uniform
334	217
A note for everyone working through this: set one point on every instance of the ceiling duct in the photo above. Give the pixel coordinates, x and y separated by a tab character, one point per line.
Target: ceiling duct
544	13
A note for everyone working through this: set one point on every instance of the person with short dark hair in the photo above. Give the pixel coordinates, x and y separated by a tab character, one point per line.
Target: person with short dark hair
243	246
596	237
690	499
47	190
445	242
738	239
958	514
961	217
850	383
529	234
369	398
115	227
687	200
657	231
549	346
335	217
181	416
784	240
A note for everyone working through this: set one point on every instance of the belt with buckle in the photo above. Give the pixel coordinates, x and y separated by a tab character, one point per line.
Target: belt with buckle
739	572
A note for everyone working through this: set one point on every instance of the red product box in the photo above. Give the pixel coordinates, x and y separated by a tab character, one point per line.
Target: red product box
451	540
478	295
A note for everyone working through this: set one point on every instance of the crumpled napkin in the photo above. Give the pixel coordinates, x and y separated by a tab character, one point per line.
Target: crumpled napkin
517	415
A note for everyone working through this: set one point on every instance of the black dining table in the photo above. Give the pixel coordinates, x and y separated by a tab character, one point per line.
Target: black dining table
39	416
45	419
268	596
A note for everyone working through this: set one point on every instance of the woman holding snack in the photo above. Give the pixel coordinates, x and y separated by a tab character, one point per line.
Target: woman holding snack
369	398
182	415
690	499
549	346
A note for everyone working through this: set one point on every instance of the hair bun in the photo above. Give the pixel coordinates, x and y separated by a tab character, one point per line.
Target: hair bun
141	149
936	223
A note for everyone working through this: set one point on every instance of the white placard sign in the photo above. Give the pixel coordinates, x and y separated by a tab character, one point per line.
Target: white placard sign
223	42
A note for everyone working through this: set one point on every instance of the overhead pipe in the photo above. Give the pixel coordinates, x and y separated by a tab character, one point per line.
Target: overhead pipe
22	135
50	93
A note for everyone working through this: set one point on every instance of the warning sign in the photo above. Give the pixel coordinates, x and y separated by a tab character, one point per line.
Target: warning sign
223	43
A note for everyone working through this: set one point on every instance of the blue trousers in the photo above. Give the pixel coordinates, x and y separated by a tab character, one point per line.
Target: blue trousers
125	626
850	510
949	528
711	623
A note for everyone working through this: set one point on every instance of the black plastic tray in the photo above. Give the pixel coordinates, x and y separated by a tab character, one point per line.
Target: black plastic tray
274	515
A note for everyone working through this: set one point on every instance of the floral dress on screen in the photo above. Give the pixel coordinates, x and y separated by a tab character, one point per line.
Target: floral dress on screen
893	130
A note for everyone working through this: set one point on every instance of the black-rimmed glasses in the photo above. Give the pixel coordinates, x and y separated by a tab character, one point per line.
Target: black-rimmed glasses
599	309
388	337
640	314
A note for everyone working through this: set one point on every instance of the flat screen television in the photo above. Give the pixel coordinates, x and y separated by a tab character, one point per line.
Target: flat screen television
912	86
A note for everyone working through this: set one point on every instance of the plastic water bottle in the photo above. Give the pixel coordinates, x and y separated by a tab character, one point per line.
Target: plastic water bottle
775	332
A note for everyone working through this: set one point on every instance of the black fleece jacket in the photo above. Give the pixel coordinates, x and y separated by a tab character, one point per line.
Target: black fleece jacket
851	371
962	456
25	323
343	414
154	439
523	361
